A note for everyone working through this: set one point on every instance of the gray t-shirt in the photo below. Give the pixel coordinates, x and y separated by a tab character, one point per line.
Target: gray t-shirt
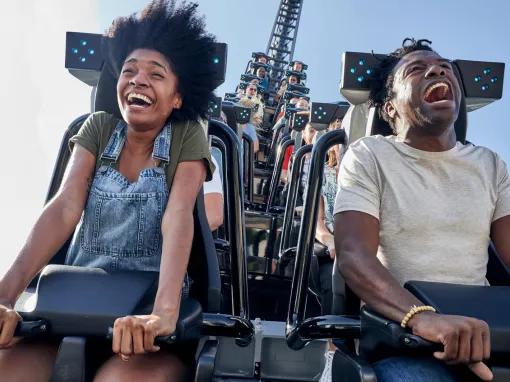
435	209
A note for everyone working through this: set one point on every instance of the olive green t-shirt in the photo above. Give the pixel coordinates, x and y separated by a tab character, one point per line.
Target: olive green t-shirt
188	143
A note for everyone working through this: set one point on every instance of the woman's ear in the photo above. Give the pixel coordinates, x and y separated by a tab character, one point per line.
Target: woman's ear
178	101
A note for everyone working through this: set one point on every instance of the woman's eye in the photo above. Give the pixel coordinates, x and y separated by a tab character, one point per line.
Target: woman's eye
157	75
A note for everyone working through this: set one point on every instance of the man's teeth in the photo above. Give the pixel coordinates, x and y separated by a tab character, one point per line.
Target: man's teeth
444	85
142	97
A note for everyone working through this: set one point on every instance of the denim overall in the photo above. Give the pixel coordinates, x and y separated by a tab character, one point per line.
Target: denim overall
121	225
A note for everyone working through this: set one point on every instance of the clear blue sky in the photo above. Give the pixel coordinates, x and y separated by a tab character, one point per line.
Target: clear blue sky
467	29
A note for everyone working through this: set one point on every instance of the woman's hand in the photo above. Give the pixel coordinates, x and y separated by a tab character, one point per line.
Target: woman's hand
136	334
9	319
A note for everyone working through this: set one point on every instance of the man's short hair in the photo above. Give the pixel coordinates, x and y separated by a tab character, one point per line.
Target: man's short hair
382	84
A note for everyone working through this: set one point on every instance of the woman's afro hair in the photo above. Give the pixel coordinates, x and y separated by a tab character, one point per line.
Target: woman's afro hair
381	84
178	33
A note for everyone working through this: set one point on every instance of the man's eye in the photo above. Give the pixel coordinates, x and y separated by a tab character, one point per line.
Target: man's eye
157	75
127	70
446	66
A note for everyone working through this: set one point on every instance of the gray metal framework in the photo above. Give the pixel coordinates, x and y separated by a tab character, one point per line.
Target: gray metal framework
283	37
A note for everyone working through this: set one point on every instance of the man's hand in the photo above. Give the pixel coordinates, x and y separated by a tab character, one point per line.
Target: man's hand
136	334
466	340
9	319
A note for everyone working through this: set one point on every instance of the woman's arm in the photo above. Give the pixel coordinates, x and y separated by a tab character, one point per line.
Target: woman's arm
56	223
177	230
322	232
136	334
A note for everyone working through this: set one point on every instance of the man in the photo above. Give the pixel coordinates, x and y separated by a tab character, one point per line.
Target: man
263	77
421	206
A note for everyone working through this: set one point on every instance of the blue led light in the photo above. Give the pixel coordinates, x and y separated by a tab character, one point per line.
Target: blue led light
494	80
353	70
92	51
361	62
83	42
83	59
74	50
216	60
360	78
369	71
487	71
478	79
485	87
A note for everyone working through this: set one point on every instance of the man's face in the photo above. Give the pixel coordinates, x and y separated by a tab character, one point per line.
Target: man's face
302	104
308	133
335	125
261	72
297	67
426	92
293	80
251	90
262	60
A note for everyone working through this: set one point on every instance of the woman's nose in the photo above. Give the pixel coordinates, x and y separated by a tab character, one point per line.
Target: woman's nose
139	80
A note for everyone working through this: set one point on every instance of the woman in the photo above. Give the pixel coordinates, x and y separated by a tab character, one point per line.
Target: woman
153	161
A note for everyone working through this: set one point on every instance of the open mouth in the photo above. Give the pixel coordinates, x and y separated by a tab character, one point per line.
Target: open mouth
438	91
140	100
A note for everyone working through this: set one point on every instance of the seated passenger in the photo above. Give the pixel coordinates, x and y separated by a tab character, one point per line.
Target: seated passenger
297	66
213	198
421	206
255	120
261	59
263	77
163	87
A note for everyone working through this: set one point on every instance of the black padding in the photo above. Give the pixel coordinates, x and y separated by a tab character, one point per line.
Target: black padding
205	363
79	301
488	303
228	109
349	367
106	93
70	364
203	267
86	301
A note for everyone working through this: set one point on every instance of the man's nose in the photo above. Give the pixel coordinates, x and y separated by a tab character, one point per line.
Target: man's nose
435	70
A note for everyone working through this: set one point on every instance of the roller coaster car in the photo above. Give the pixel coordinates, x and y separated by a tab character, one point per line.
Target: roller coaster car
378	337
78	304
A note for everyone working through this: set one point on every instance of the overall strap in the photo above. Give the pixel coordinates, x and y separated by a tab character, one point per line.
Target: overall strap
112	151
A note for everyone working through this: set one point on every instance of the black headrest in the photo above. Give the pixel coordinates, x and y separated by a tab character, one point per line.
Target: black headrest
481	81
105	98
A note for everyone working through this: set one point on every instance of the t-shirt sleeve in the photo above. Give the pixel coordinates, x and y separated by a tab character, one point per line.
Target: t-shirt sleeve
196	147
214	185
358	182
89	135
503	190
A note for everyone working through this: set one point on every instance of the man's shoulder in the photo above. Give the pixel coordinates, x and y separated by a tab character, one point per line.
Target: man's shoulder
371	144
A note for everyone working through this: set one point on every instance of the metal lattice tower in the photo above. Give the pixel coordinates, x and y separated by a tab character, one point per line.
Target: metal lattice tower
283	37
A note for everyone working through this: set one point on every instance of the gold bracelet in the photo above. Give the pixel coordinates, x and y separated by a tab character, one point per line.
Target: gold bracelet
414	310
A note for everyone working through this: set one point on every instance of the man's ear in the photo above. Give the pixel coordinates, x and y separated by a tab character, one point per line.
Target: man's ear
390	110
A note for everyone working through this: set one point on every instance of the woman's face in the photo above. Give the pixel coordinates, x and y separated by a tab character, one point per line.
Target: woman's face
147	90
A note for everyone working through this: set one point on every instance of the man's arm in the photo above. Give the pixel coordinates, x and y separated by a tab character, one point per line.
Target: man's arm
356	241
500	236
466	340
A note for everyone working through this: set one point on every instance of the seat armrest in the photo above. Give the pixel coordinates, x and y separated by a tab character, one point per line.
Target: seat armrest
382	338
